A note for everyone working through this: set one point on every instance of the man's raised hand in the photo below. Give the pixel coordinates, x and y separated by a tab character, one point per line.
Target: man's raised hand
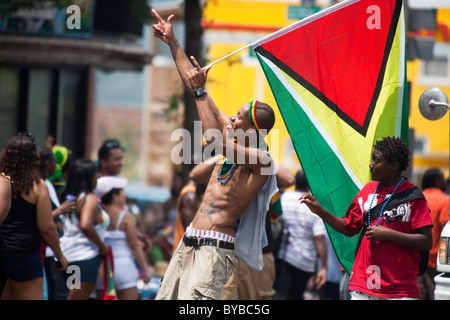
163	29
197	76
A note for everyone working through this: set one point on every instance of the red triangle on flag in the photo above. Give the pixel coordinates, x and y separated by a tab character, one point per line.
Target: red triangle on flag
341	57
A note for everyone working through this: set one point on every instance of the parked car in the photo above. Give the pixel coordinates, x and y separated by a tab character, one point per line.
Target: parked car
442	281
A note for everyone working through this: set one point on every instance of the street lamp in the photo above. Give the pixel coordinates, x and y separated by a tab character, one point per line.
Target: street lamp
433	104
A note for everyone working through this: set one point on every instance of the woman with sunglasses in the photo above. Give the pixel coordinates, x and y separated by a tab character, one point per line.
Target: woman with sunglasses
29	220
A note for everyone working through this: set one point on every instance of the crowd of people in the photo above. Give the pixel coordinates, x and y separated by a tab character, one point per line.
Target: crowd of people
62	218
57	212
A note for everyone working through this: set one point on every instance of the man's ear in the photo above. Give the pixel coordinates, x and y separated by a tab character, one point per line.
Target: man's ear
101	162
396	166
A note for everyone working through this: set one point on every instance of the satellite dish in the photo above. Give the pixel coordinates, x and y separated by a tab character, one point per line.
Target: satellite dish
433	104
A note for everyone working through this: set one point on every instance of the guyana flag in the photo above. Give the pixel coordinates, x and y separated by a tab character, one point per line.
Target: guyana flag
339	80
106	272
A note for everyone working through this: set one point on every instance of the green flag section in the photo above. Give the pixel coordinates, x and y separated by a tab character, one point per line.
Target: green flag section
106	271
339	80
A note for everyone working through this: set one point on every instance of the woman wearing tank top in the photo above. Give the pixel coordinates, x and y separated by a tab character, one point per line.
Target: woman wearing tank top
83	235
123	239
29	219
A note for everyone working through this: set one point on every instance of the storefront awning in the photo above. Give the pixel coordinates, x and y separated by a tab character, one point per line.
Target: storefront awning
69	51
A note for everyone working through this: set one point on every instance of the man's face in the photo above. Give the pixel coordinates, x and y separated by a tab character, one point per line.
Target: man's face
380	167
240	128
112	165
240	120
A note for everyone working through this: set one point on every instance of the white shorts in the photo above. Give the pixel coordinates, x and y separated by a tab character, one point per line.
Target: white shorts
126	274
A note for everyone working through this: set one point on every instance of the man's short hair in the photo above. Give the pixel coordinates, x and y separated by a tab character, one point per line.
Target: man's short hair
108	145
431	177
394	149
301	183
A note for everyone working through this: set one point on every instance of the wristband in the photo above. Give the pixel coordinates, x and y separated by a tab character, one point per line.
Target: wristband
199	92
176	44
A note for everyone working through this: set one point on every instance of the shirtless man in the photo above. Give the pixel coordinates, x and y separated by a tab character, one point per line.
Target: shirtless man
239	188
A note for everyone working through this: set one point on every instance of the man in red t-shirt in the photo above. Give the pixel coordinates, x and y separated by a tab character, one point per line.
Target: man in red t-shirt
387	262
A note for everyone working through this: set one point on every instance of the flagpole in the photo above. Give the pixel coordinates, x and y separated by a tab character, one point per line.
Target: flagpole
288	28
228	55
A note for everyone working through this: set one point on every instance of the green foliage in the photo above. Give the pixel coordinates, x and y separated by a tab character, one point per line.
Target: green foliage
172	109
141	8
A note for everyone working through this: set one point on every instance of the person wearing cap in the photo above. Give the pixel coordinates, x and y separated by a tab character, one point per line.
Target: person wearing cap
122	237
63	157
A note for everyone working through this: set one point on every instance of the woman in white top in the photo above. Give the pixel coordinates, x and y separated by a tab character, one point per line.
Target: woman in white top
122	237
82	242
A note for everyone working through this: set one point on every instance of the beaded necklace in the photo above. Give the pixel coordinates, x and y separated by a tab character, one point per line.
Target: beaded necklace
225	171
384	205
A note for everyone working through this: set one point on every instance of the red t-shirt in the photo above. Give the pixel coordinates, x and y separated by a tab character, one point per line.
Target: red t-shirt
385	268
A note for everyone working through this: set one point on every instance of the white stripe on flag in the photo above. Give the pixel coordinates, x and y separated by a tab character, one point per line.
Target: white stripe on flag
401	75
314	120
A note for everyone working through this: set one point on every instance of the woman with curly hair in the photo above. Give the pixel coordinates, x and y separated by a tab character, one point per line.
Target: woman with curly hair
5	205
84	230
29	219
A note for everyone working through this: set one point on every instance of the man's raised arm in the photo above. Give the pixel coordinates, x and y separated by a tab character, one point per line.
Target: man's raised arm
164	31
253	158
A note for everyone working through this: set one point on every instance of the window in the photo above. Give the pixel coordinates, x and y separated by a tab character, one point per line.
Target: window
436	72
9	103
44	101
436	68
421	145
39	100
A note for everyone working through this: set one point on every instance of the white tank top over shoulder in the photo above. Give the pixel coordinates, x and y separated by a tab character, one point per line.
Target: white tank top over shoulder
117	239
74	244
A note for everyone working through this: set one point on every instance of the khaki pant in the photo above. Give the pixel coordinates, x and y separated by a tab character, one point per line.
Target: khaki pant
196	273
246	283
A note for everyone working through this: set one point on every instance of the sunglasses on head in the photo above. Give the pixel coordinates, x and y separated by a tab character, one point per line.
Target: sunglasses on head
26	134
112	144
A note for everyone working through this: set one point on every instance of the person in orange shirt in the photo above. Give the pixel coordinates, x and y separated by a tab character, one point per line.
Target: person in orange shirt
434	185
186	207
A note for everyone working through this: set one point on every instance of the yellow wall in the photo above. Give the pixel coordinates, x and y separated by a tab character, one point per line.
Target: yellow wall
253	14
